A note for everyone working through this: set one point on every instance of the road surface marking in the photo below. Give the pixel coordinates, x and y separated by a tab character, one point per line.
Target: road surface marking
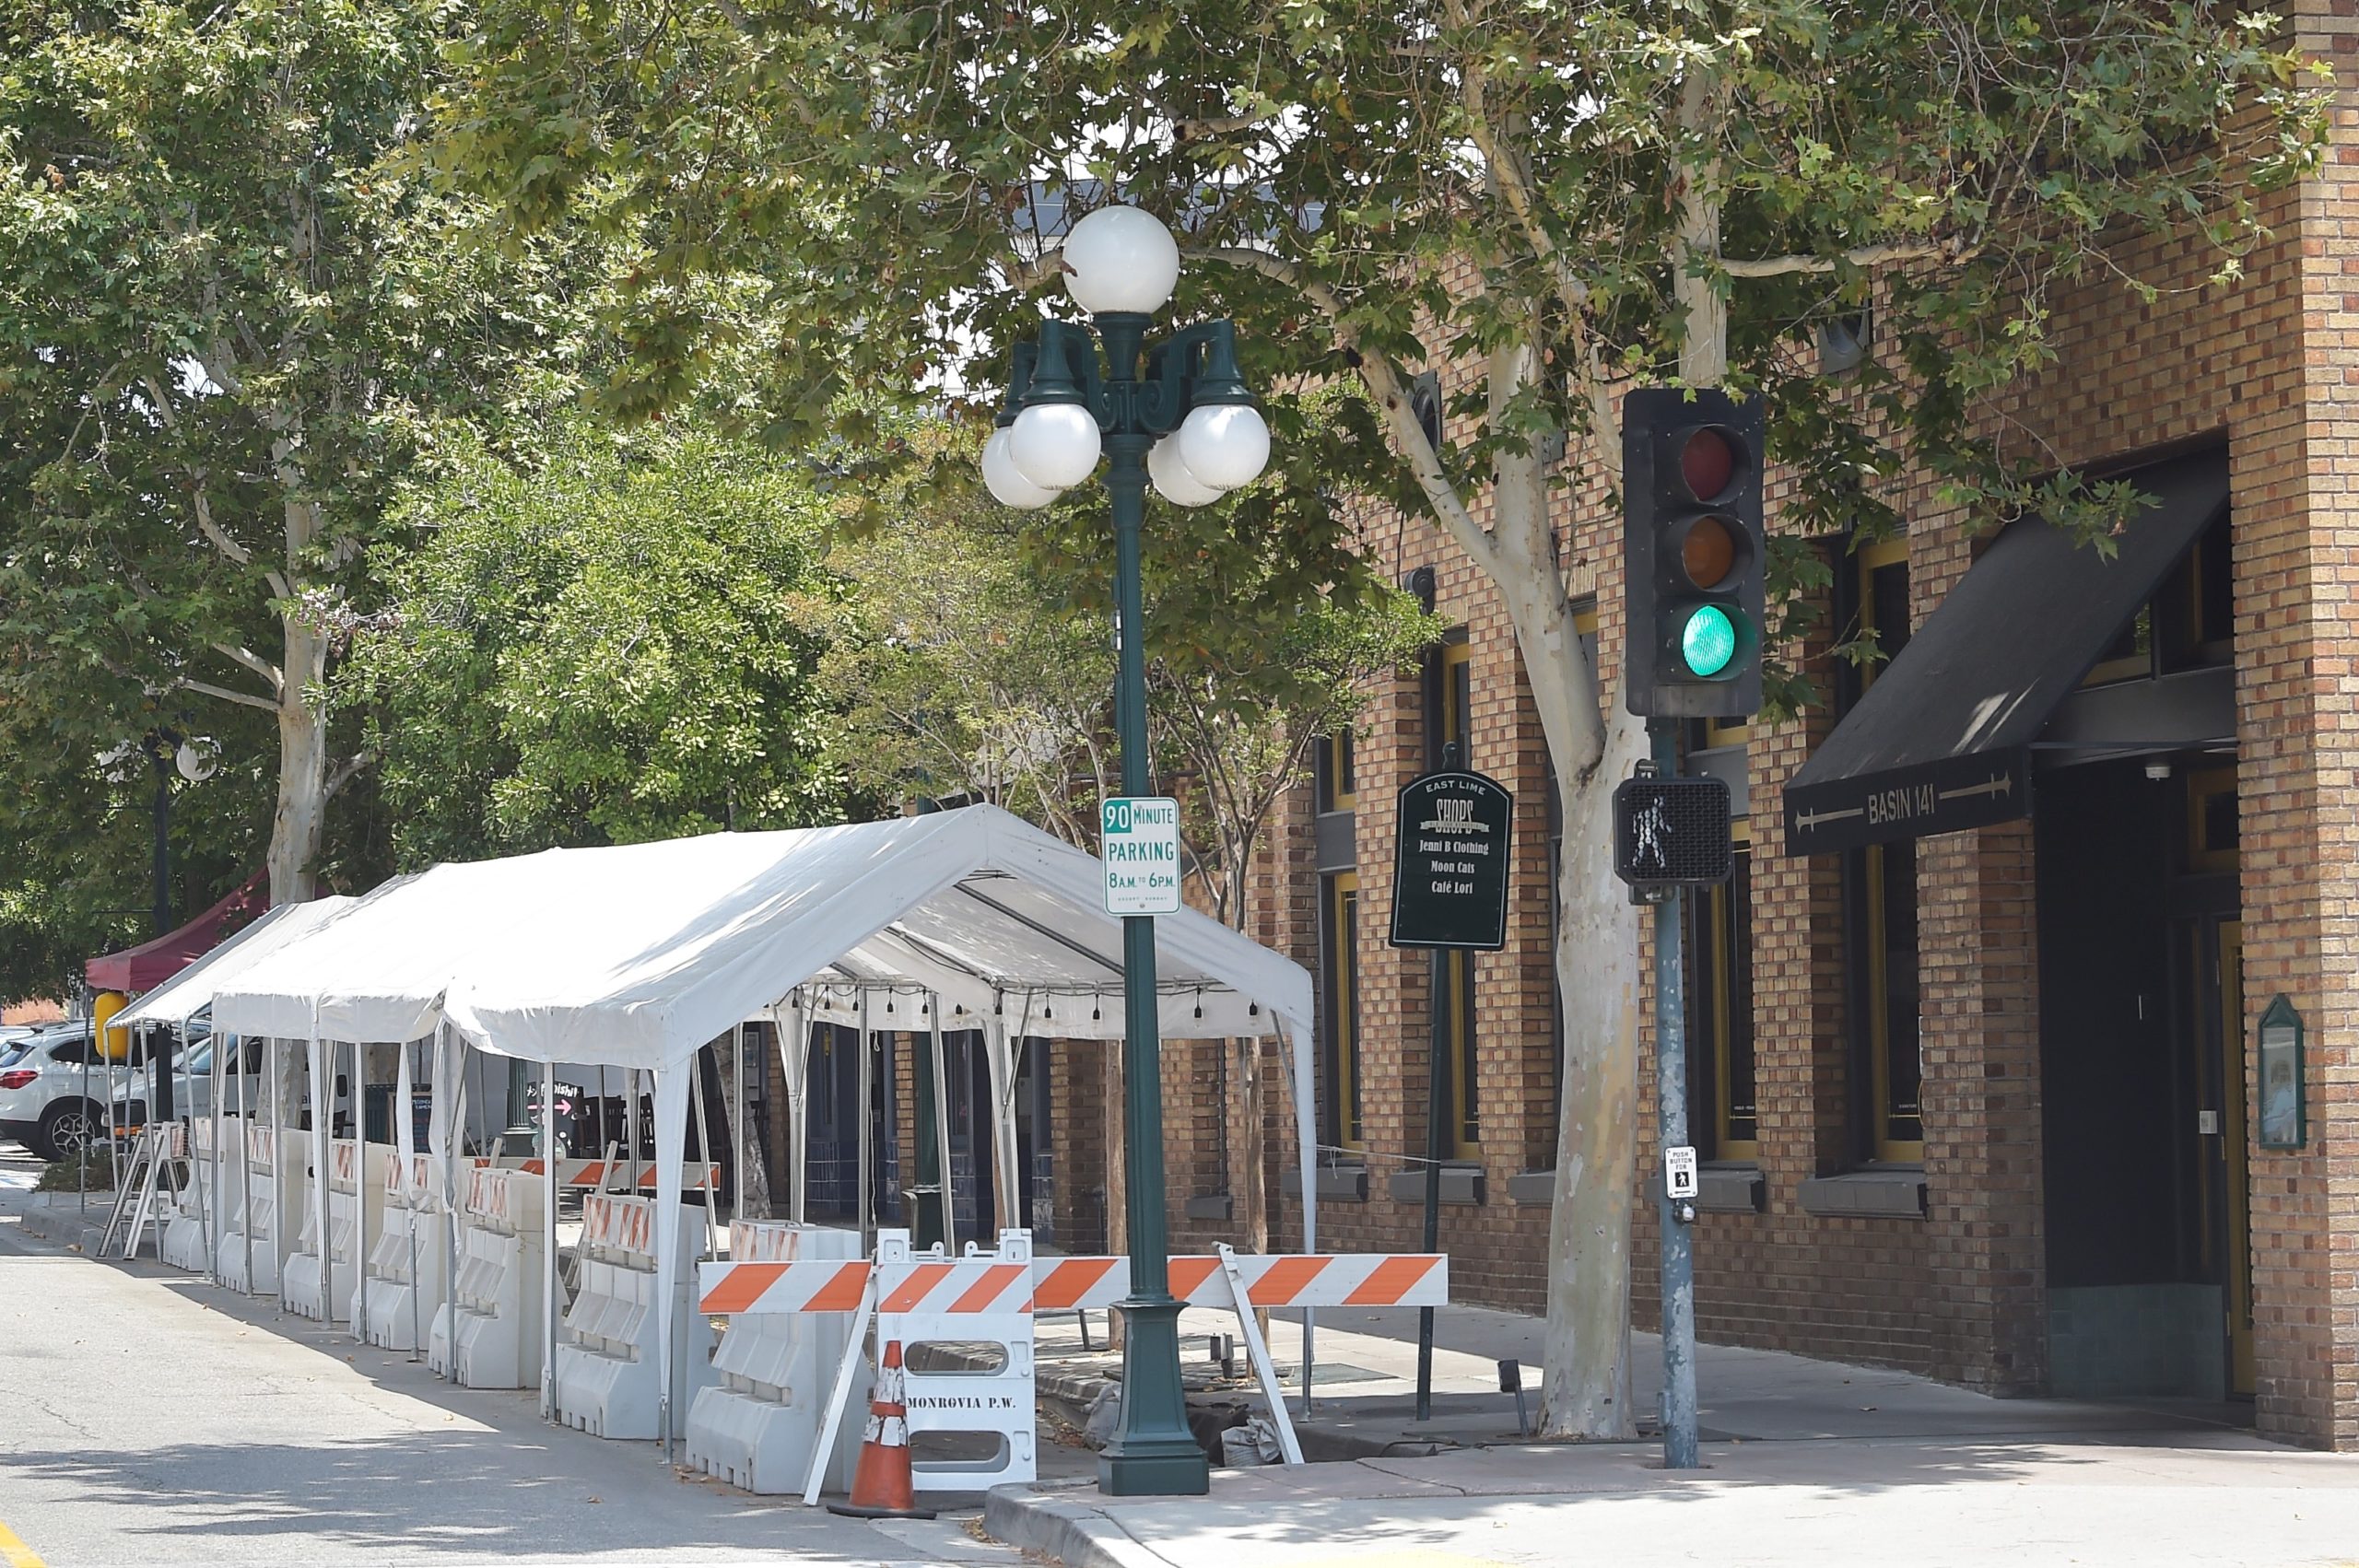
16	1553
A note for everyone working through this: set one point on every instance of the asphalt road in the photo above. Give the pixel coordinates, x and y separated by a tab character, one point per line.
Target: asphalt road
146	1418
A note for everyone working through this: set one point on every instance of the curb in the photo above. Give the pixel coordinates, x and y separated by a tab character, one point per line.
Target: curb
1075	1534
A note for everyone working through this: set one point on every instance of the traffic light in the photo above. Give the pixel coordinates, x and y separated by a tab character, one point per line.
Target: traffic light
1691	554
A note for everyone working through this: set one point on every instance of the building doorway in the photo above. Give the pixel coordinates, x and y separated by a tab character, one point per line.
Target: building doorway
2141	1068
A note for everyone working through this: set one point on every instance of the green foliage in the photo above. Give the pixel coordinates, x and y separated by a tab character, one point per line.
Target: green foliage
956	673
1425	185
600	641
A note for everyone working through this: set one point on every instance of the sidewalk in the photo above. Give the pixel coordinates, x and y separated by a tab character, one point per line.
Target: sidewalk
1804	1463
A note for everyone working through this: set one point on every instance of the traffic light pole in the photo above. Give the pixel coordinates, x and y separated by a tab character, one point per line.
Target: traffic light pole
1671	1123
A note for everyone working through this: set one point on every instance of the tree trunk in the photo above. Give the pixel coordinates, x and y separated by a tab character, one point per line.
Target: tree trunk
1585	1389
299	824
297	827
1586	1380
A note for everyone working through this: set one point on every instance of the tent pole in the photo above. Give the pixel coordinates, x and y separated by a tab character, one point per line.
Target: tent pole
630	1120
213	1158
1306	1151
453	1205
404	1146
944	1196
361	1193
1000	1053
704	1148
278	1142
550	1304
867	1094
737	1119
245	1165
795	1065
323	1112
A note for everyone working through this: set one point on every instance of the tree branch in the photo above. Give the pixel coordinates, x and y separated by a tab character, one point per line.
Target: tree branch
213	530
1952	253
244	699
346	772
1384	385
256	662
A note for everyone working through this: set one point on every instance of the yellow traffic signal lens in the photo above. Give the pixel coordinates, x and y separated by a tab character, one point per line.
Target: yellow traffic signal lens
1707	552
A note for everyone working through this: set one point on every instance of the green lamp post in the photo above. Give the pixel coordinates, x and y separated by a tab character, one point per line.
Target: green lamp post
1176	413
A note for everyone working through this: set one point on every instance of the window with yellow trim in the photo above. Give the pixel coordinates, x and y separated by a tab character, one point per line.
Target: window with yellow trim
1340	970
1721	1007
1882	886
1332	768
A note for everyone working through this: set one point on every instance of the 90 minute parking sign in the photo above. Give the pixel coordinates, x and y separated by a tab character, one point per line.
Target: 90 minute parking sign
1138	842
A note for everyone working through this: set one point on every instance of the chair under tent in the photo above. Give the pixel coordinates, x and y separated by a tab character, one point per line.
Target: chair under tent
635	957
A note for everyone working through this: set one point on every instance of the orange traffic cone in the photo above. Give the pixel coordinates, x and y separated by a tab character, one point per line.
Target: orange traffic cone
882	1488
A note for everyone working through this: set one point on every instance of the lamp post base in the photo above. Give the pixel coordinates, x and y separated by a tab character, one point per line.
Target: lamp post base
1152	1453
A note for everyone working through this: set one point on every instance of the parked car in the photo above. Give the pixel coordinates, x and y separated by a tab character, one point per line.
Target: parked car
48	1102
192	1085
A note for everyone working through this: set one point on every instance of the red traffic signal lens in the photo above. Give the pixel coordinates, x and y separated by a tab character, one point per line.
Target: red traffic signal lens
1707	552
1707	462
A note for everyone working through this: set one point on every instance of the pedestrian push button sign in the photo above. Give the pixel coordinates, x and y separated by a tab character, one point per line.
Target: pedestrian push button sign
1138	842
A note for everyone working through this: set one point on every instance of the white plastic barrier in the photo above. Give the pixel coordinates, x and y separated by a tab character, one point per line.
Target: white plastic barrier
254	1233
181	1243
495	1341
755	1430
982	1299
607	1354
355	1181
405	1262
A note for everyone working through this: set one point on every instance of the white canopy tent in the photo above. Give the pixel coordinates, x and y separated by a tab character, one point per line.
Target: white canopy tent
192	991
638	956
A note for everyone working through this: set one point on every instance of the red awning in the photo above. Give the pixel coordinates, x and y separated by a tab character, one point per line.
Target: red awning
149	964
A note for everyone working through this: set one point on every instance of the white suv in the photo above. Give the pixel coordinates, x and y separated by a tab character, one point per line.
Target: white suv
47	1102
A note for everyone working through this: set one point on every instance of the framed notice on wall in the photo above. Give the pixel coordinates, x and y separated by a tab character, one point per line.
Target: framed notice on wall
2280	1109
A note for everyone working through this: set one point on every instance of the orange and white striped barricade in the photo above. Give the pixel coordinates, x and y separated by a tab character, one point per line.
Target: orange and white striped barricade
607	1354
614	1175
757	1427
1240	1282
246	1259
405	1265
493	1341
918	1299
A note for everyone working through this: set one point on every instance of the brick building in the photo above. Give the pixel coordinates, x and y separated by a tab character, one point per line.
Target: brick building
1981	1087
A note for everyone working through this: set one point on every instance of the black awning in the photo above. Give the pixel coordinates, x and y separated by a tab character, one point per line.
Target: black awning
1942	742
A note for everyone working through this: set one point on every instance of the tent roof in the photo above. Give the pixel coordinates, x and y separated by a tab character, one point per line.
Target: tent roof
192	991
154	962
638	954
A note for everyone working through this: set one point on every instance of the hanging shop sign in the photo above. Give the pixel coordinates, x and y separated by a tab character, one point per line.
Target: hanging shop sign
1449	861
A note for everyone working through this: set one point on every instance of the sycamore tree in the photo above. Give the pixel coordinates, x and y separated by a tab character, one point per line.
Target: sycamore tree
1549	203
223	320
960	668
595	641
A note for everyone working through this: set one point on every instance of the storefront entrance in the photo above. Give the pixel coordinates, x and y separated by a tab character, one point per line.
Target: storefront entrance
2146	1198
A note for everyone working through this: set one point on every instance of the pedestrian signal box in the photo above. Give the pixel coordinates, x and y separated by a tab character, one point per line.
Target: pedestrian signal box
1671	832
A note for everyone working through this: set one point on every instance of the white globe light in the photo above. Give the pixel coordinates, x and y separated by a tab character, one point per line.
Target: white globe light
1120	259
196	765
1226	445
1054	445
1172	480
1006	482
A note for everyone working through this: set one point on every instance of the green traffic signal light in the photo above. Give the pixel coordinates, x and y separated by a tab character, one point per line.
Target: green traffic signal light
1708	641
